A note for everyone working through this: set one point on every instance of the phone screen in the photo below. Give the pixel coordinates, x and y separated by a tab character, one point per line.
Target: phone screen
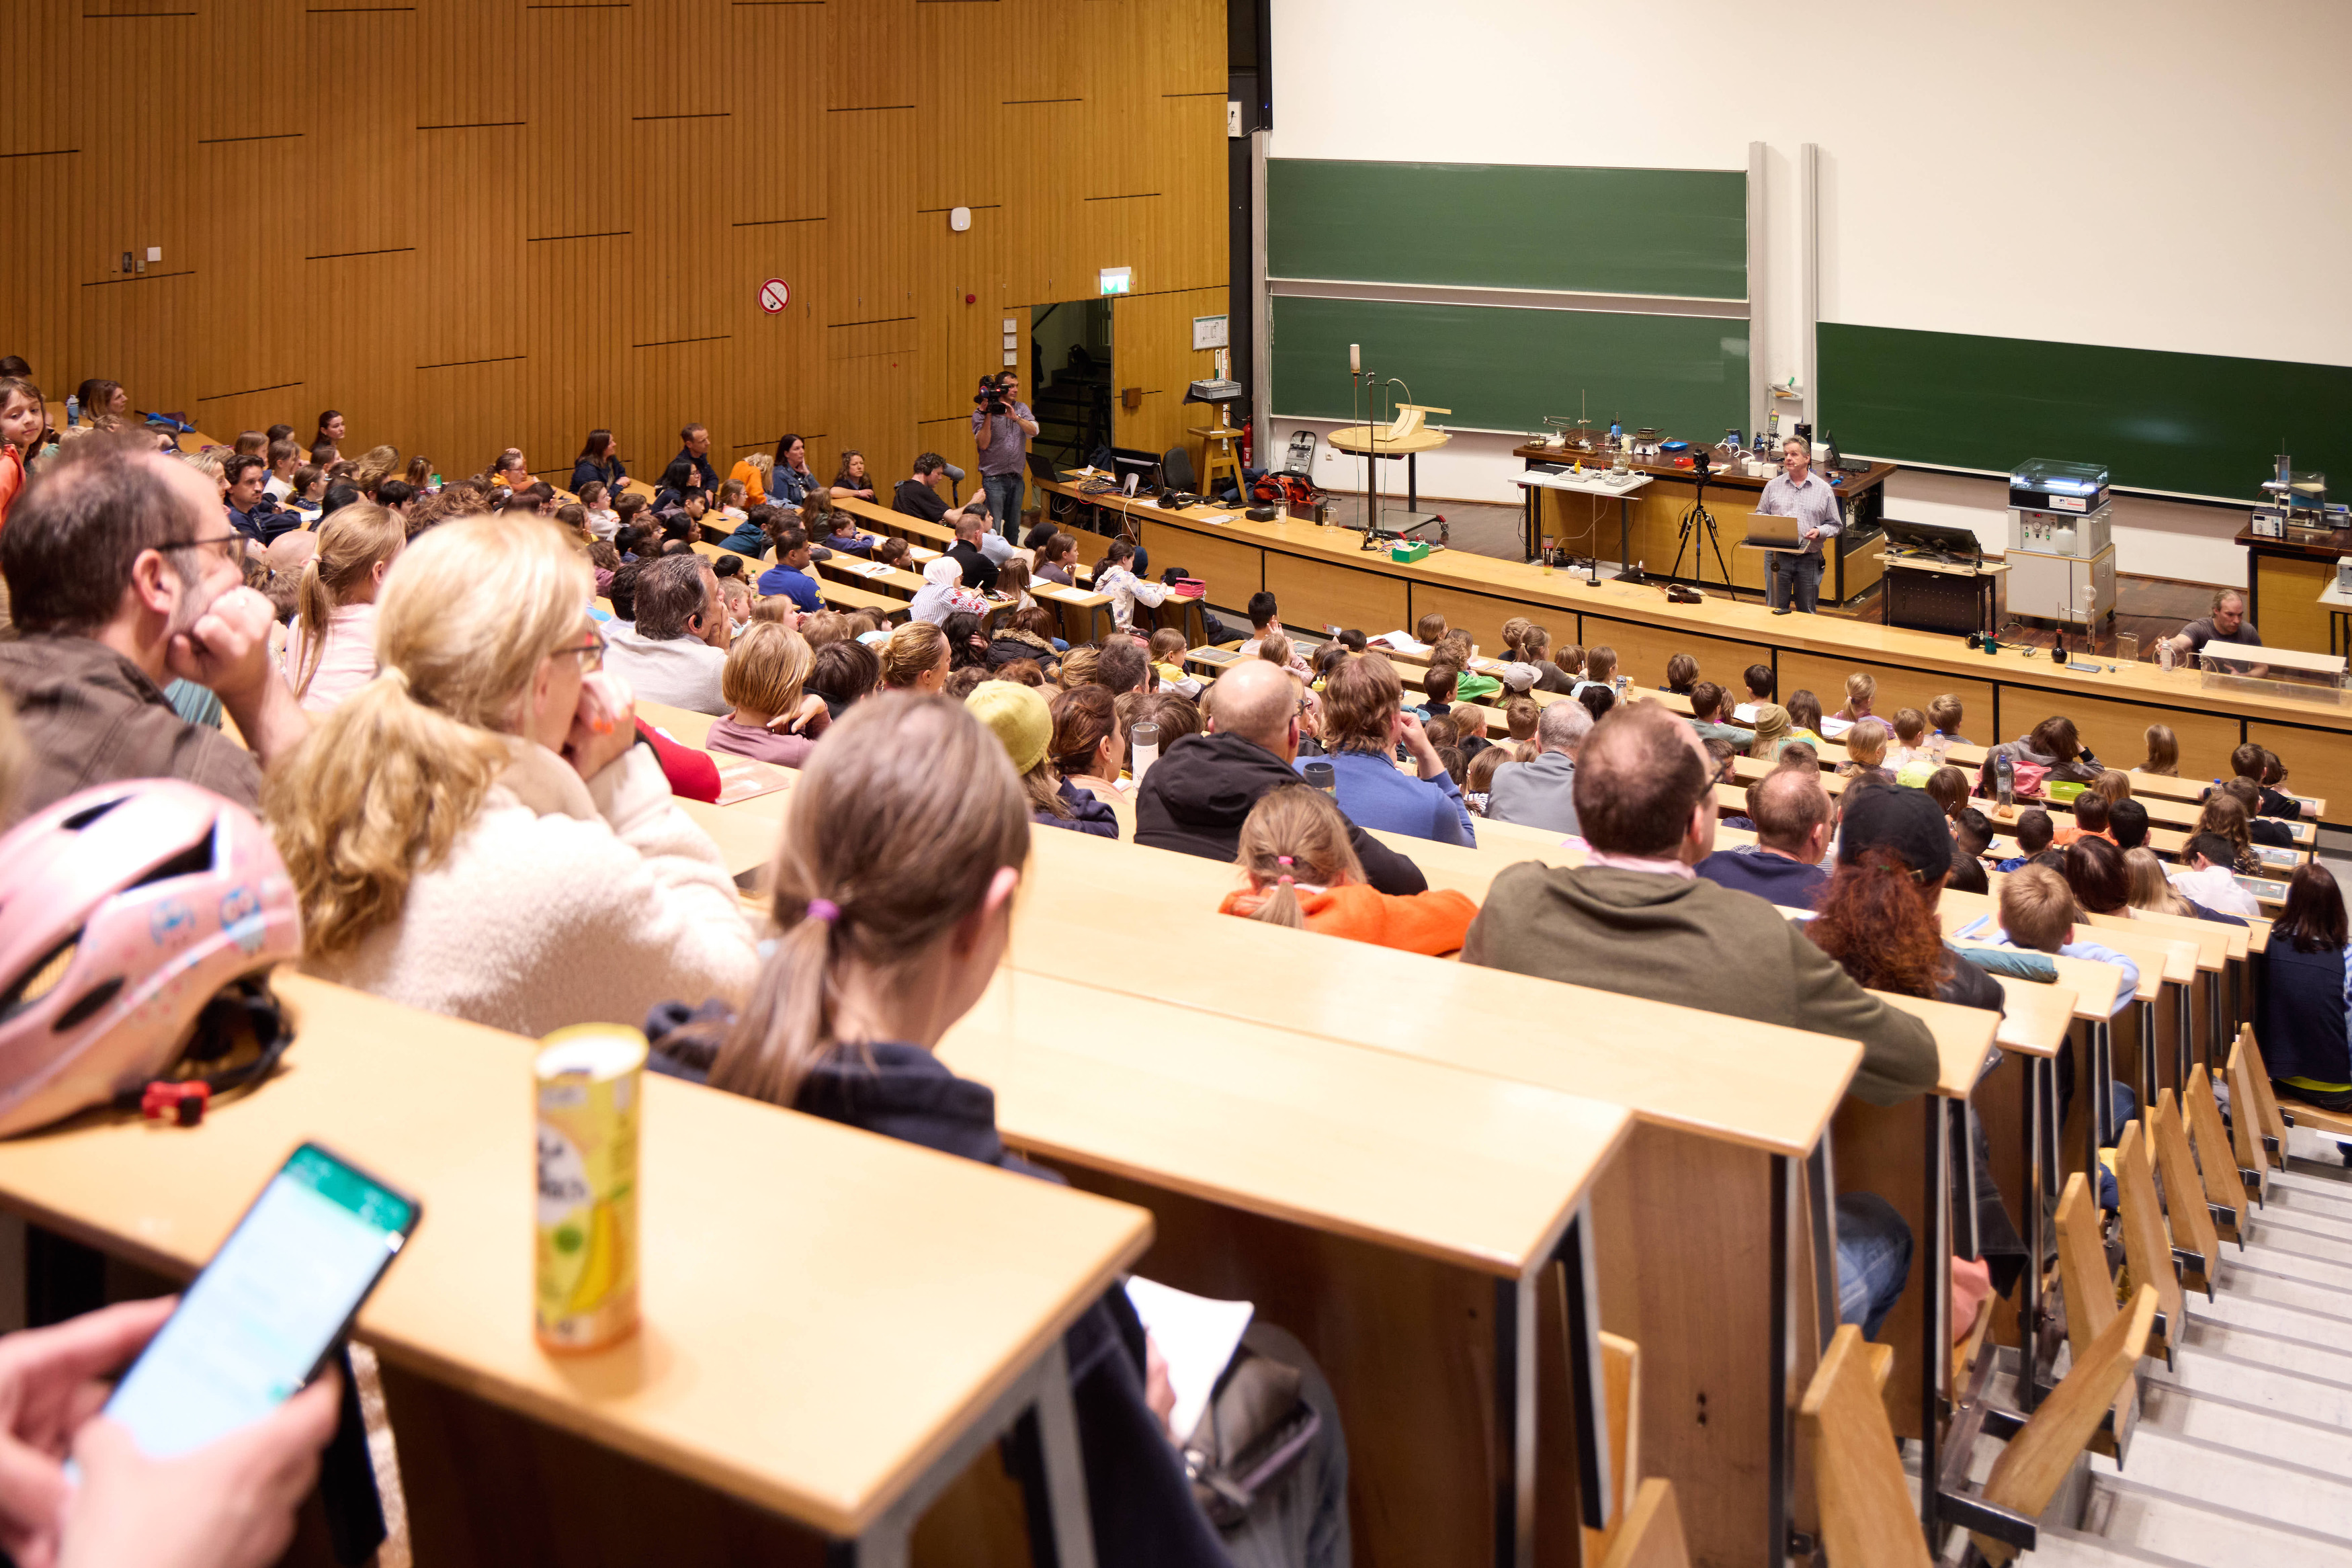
267	1308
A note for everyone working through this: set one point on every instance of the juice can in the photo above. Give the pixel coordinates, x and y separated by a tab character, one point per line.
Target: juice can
589	1080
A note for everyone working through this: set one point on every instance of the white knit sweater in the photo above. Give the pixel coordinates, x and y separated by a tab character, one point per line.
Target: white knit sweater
564	902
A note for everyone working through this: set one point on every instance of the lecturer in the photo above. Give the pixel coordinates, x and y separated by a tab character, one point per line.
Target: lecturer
1797	493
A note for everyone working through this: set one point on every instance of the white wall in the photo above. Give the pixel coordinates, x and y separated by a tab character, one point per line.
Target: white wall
2089	171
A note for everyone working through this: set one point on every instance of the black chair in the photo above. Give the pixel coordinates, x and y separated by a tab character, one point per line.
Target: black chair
1176	470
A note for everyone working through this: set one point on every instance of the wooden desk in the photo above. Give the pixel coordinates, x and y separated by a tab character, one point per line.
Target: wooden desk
1381	1186
1323	577
1375	441
835	1359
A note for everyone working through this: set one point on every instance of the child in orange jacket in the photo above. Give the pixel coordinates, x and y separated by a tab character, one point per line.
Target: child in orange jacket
1294	849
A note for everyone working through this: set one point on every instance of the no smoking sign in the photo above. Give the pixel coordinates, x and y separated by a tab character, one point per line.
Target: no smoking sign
775	295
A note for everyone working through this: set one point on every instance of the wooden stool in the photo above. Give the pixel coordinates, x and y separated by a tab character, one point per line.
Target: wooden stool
1219	455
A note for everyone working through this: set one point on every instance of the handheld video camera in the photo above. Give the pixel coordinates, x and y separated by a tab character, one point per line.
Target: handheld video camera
991	398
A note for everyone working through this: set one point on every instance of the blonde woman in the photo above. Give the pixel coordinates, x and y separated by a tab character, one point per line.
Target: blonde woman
330	650
764	684
2149	888
915	659
376	464
476	831
753	474
2163	753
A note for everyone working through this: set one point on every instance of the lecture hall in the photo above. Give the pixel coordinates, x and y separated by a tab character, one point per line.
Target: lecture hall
1232	784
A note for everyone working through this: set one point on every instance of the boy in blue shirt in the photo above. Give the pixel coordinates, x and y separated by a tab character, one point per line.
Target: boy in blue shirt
790	576
2033	835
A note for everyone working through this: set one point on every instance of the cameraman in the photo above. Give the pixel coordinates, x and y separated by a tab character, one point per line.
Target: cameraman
1001	425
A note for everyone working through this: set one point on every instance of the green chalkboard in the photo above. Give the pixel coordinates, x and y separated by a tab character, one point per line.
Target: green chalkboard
1506	369
1681	232
2197	424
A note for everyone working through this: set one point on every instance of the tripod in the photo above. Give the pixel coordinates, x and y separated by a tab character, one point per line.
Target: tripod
1696	516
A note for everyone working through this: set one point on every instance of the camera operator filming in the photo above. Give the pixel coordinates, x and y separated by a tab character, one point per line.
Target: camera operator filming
1001	425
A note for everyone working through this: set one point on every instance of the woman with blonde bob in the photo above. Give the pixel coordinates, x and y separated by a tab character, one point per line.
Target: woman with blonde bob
764	683
476	832
331	649
889	937
915	659
1304	874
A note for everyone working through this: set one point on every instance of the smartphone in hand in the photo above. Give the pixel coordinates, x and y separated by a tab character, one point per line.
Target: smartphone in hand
272	1305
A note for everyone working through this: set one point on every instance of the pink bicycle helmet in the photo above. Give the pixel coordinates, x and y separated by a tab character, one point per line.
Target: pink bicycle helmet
125	911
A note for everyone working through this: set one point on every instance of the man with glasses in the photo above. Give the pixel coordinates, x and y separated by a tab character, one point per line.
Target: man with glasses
125	575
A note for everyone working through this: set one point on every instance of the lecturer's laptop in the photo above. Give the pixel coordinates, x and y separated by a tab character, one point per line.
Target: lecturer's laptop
1772	533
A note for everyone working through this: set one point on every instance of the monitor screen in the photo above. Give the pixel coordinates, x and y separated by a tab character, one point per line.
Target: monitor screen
1934	538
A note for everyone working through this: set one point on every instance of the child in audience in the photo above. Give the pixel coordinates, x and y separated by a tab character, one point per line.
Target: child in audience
1761	684
843	673
1019	717
1088	748
1571	661
1971	837
1682	674
1168	660
1943	713
916	657
1948	788
1772	732
310	495
1527	653
1470	730
890	552
1799	754
2256	766
330	649
772	717
2225	817
2038	912
1598	699
2149	890
2207	878
1057	560
1519	716
480	835
1176	715
1437	686
1805	717
1910	744
2261	830
2091	811
1454	648
2095	872
1861	690
2035	832
1115	575
1013	584
2299	1008
2277	801
1866	751
1710	715
837	530
603	519
23	421
890	937
1302	874
1429	629
1600	670
1479	782
2163	753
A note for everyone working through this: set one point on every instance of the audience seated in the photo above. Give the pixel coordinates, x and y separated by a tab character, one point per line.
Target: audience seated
1805	717
918	495
2052	748
2149	890
790	483
1861	692
1711	716
2091	810
943	593
675	650
1971	837
476	832
1773	730
1197	796
1302	874
852	483
2300	1008
888	938
1945	714
1636	918
2038	912
1022	720
843	673
1526	649
2260	829
1089	746
774	719
1541	793
2208	877
754	534
2035	833
1026	634
1364	722
1792	812
2224	817
1682	676
978	572
123	575
1115	575
1600	670
330	650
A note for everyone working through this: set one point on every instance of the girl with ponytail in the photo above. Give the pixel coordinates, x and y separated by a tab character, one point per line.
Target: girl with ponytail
903	845
331	649
1303	873
475	833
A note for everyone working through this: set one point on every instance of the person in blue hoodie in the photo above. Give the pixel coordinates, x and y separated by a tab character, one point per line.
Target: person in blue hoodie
1792	830
888	938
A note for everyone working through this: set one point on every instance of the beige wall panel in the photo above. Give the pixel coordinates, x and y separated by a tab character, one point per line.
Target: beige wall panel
1900	688
1151	349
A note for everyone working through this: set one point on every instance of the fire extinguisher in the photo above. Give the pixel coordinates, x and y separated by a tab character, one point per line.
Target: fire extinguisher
1249	434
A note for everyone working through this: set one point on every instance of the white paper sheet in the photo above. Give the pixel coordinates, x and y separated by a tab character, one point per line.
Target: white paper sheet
1197	1335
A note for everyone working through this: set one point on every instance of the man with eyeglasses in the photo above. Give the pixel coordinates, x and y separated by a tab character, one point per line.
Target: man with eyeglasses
125	575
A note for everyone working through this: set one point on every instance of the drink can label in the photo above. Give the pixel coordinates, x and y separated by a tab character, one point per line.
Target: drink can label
589	1083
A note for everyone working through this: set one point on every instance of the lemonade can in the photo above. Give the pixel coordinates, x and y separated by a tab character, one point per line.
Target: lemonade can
589	1078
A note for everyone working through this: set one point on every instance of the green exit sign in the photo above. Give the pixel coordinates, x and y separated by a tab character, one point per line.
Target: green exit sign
1118	280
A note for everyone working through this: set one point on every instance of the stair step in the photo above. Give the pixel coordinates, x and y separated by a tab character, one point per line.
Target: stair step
2334	1190
2264	1485
2286	1322
2240	1363
2313	1223
2130	1515
2073	1549
2296	1255
2223	1403
2254	1286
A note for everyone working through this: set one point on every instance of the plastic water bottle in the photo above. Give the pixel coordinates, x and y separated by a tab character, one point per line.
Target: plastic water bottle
1146	736
2004	774
73	410
2164	655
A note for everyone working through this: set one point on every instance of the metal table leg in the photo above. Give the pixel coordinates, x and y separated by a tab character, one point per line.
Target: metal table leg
1934	1331
1515	1422
1821	1180
2029	1322
1781	1474
1587	1387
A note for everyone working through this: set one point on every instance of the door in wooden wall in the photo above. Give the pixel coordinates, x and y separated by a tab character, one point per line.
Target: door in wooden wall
1152	362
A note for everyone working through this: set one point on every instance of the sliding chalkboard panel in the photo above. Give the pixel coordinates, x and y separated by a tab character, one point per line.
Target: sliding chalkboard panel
1680	231
1505	369
2198	425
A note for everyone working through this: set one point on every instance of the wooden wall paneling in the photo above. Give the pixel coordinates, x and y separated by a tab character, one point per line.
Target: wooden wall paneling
47	154
1642	652
1151	348
2310	754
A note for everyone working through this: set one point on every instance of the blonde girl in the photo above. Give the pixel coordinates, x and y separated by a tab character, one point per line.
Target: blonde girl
915	659
1861	691
2163	753
1304	873
475	831
330	649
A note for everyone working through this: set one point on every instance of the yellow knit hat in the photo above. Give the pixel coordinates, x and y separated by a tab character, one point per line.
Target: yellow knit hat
1018	716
